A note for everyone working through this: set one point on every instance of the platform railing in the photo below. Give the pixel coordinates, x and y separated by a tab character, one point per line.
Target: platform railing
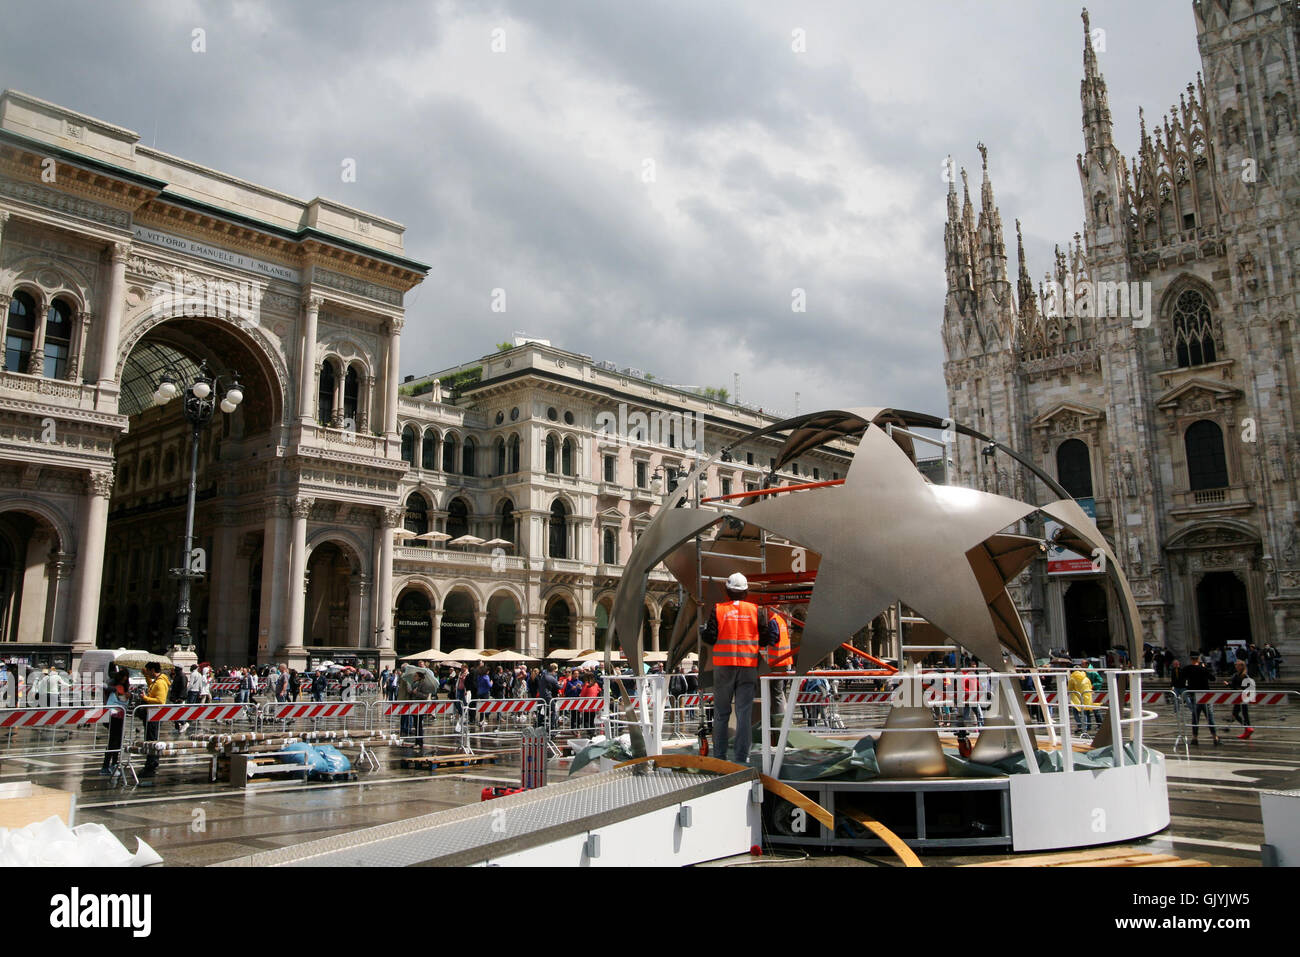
970	693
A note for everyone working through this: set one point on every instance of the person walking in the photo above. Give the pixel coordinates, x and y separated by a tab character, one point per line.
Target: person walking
1081	701
1243	682
1197	679
736	629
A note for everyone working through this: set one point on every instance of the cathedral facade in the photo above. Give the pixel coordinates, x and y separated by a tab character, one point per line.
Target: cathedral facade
1154	370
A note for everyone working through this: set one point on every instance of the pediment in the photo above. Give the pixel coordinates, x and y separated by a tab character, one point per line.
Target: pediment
1068	417
1197	395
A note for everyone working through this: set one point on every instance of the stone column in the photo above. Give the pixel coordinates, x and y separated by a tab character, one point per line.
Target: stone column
297	584
36	361
35	587
393	372
437	629
480	619
384	589
226	607
654	633
365	402
90	560
307	358
336	411
274	545
114	303
5	299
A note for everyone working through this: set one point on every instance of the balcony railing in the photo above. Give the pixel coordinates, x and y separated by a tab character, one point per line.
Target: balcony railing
1209	496
449	558
349	440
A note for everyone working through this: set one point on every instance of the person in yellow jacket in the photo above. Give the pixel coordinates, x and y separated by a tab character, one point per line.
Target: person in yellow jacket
1081	706
156	693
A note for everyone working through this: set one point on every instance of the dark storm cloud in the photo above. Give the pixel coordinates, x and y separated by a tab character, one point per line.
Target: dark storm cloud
776	171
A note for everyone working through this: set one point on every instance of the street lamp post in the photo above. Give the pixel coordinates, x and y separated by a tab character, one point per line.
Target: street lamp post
201	403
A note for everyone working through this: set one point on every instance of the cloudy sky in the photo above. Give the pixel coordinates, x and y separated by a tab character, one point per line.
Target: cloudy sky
649	182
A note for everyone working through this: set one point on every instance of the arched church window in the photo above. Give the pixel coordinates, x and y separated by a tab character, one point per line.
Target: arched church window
408	445
417	517
1207	466
1193	330
1074	468
325	399
20	332
429	451
58	339
559	537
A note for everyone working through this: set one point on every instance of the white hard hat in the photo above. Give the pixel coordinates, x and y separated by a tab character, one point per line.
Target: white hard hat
737	582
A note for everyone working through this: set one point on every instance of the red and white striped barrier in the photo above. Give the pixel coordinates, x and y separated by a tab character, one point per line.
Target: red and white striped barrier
811	698
194	712
693	700
867	697
507	705
56	717
287	712
1098	697
221	687
389	709
1235	697
578	704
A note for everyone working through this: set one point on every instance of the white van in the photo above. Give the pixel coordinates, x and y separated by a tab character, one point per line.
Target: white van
96	664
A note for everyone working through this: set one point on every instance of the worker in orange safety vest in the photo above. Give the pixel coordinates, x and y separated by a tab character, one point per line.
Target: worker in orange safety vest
736	630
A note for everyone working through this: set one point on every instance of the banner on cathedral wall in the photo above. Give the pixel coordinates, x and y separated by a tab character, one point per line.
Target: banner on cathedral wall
1062	561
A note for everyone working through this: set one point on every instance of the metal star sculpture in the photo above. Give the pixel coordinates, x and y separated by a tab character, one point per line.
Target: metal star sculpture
884	535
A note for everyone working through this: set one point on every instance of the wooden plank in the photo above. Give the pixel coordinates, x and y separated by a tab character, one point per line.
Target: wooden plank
1065	857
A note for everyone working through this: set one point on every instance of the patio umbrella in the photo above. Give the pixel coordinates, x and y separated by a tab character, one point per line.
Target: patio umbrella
562	654
433	537
465	654
508	656
429	654
497	543
404	533
655	656
136	660
466	540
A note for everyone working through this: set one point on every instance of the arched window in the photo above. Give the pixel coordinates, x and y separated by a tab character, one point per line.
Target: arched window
499	455
58	339
408	445
457	518
1193	331
351	389
20	332
429	451
610	547
325	398
449	454
416	518
1207	467
550	455
559	531
467	457
1073	468
514	454
506	521
566	457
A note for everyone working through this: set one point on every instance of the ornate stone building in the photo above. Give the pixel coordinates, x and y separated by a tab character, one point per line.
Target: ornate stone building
120	264
1155	369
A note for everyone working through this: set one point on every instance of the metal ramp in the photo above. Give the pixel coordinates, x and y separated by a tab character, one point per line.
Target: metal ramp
623	817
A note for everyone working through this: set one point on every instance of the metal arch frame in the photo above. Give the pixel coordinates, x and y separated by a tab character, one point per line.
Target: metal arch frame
667	533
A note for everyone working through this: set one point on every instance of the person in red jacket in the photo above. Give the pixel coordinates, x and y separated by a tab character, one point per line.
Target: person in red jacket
736	630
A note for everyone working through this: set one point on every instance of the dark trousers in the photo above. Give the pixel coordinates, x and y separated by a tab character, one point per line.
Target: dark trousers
151	734
114	749
733	686
1241	713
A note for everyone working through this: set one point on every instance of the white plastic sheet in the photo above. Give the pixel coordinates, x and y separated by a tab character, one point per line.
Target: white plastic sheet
51	843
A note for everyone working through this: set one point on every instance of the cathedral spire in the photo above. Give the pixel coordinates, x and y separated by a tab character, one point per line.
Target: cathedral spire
1024	285
1097	126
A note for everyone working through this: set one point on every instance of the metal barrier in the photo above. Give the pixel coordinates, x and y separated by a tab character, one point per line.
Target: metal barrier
433	723
34	733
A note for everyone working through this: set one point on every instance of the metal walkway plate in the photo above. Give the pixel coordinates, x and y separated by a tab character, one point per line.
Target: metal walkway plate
492	829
